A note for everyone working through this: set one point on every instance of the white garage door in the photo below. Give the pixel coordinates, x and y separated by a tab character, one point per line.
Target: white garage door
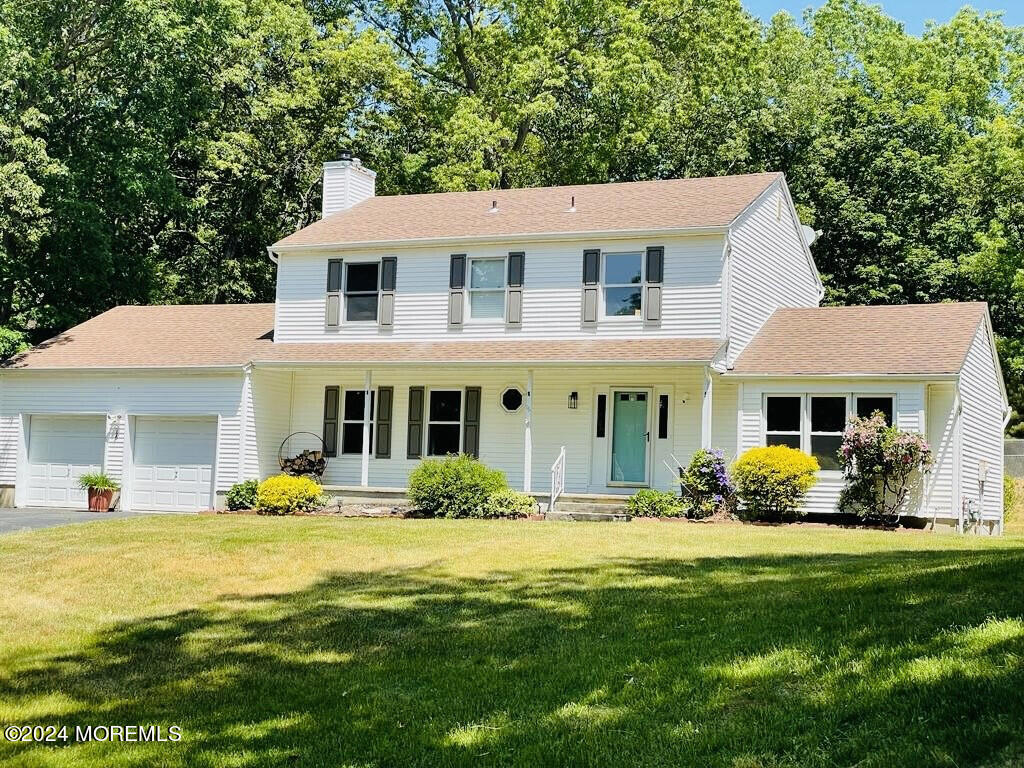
60	450
173	460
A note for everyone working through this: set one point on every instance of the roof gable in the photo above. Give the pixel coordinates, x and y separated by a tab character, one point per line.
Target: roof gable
672	204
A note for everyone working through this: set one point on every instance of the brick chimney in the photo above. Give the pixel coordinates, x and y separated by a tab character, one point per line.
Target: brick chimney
346	183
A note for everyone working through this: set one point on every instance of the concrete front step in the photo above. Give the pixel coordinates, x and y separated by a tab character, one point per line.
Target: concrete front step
589	517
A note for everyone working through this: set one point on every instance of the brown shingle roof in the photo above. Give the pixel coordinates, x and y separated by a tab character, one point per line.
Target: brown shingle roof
925	339
629	206
235	334
160	336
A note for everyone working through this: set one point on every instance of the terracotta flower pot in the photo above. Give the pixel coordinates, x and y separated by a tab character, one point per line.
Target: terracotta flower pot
99	500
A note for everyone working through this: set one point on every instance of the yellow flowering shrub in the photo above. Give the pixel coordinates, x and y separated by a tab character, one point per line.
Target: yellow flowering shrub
773	481
286	495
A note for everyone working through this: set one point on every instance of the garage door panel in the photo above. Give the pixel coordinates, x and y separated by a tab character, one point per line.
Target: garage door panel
61	449
174	463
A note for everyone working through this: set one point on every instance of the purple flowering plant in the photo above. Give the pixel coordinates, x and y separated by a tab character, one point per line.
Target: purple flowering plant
706	485
882	467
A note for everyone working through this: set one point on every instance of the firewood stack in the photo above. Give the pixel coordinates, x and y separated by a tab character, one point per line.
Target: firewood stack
306	463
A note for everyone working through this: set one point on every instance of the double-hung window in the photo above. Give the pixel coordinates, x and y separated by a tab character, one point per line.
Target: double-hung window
623	284
352	421
487	289
783	421
362	286
444	422
868	404
828	420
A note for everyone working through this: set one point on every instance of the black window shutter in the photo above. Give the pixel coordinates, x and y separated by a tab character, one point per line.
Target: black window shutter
388	270
602	407
471	424
591	278
385	397
334	277
662	417
654	275
514	300
456	288
332	400
414	444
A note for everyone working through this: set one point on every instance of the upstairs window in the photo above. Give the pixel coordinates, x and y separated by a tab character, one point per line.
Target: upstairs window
623	284
362	284
487	289
352	423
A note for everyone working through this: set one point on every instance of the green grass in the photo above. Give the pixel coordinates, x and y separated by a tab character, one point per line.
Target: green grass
304	642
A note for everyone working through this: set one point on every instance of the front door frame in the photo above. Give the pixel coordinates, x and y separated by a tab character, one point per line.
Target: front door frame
612	392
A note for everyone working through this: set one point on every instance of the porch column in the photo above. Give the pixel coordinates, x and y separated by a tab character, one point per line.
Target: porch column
364	473
528	434
705	411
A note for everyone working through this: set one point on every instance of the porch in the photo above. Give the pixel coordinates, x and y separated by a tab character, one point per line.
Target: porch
621	426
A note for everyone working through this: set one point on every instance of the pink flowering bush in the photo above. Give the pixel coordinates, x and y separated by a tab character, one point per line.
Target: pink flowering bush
882	466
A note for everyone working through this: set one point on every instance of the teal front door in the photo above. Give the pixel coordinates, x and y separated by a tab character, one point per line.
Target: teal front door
629	437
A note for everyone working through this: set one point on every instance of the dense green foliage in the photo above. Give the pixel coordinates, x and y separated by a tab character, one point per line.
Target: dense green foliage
455	486
97	481
286	495
508	503
243	495
150	150
648	502
772	482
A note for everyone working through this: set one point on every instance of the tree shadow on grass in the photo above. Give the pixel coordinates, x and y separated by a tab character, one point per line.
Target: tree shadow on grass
904	658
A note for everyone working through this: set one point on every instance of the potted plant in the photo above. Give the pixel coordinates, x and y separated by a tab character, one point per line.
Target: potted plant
100	488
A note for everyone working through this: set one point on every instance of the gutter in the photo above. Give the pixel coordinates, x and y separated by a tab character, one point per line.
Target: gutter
603	234
489	363
226	368
896	376
270	254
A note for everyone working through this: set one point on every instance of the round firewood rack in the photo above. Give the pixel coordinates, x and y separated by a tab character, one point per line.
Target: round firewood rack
308	462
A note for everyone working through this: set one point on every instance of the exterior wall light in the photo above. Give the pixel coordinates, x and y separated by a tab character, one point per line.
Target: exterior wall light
574	400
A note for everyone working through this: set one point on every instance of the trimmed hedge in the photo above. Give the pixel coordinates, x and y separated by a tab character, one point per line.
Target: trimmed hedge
651	503
773	481
455	486
286	495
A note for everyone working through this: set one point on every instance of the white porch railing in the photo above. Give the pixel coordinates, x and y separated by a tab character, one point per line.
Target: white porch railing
557	479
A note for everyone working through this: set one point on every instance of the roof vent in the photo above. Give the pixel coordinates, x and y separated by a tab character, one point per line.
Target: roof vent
494	206
572	205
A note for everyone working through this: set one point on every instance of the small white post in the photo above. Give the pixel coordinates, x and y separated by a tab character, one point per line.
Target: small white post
705	412
364	475
528	434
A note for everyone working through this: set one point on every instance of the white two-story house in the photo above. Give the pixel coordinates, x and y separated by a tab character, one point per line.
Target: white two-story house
597	335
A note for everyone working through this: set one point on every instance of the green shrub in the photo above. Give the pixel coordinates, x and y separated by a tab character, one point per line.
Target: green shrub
509	503
773	481
98	481
286	495
706	486
455	486
12	342
243	495
1011	492
651	503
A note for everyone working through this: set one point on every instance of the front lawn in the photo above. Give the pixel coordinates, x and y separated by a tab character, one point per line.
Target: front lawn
304	642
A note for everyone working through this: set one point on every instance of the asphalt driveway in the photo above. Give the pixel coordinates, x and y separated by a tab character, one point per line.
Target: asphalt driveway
46	517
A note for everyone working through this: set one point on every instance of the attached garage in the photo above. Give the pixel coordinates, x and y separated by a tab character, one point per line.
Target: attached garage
60	450
173	463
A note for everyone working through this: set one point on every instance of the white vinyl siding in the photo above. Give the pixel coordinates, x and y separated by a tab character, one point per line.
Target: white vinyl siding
272	404
552	293
939	488
501	432
982	428
768	269
121	396
823	497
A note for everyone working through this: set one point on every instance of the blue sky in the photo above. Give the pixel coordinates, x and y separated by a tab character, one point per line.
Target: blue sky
913	13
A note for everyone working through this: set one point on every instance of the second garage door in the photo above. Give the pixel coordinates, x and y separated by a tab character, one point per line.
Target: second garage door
173	460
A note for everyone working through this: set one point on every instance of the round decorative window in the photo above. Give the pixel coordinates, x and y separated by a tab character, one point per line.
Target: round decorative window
512	399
